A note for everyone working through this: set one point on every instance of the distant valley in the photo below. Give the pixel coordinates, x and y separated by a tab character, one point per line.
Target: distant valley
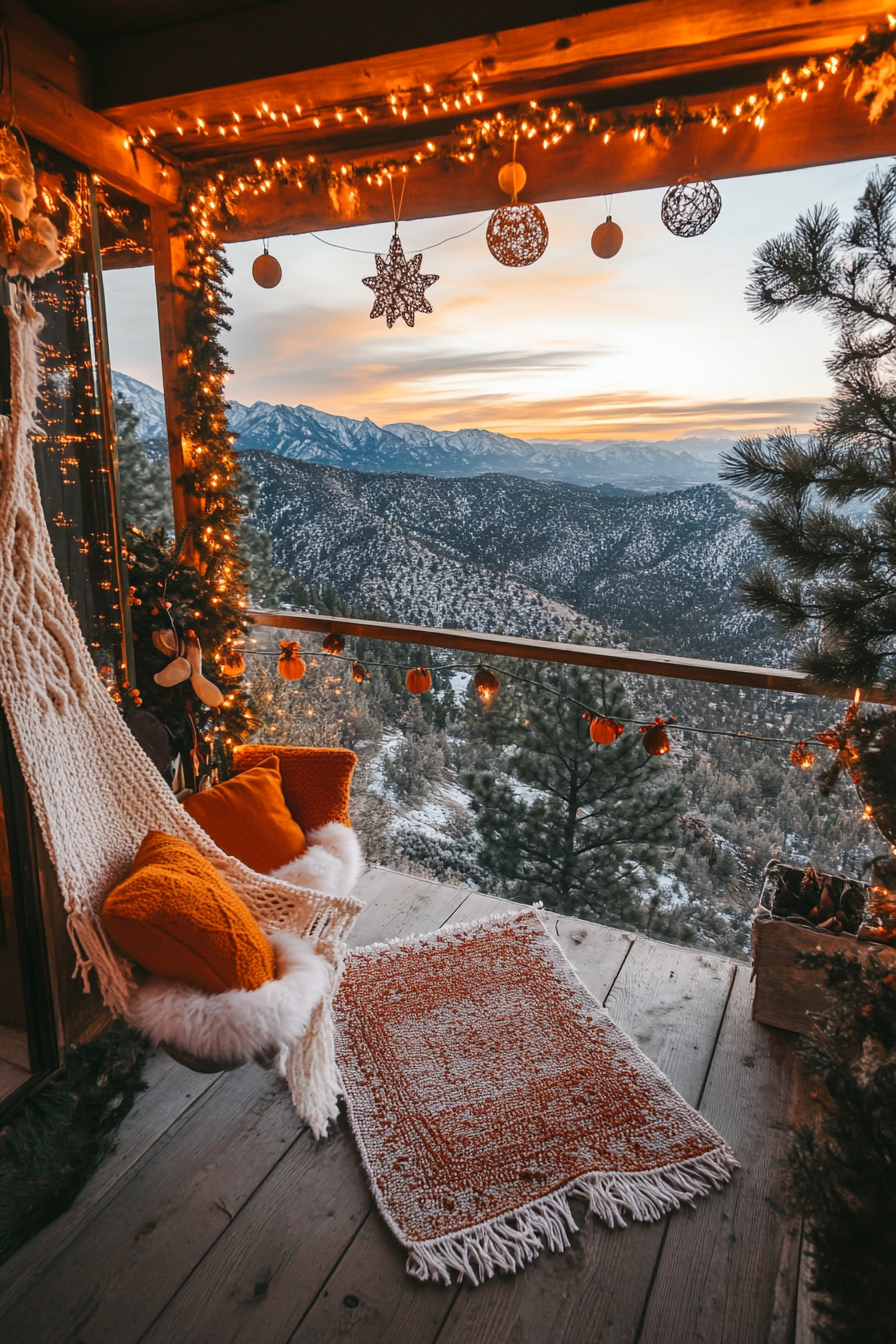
303	434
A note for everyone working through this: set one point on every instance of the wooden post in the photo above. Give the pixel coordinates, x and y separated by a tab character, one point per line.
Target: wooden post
169	260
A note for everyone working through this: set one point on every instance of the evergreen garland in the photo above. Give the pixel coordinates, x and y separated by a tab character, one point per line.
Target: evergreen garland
57	1139
843	1168
198	581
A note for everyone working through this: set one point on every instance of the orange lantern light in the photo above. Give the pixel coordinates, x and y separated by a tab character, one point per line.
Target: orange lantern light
486	684
332	643
418	680
290	666
656	740
604	731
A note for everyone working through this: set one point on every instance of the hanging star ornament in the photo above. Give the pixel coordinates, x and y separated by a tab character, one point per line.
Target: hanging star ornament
398	285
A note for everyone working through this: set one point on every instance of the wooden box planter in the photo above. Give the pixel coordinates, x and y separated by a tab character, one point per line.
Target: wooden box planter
786	994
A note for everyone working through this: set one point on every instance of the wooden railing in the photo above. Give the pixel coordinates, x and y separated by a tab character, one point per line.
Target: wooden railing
547	651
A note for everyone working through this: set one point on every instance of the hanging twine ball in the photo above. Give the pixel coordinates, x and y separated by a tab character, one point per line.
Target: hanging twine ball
517	235
267	271
606	239
691	207
512	178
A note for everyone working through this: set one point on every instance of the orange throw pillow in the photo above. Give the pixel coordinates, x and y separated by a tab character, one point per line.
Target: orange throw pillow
175	915
248	818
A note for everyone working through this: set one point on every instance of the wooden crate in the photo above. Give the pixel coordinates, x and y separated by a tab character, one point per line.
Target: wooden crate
786	994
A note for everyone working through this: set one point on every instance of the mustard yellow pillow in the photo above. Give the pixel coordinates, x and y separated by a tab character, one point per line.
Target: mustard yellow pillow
175	914
248	818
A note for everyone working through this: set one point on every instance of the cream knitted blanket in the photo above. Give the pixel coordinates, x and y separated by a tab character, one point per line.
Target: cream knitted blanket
94	791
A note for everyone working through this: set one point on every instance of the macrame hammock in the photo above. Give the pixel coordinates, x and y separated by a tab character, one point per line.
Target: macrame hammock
94	791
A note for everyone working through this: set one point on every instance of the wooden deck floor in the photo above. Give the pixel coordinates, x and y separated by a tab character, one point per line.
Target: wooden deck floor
219	1218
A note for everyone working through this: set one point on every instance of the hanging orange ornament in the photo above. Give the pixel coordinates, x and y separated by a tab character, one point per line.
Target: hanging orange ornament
604	731
656	740
486	684
332	643
606	240
266	270
290	666
234	664
512	178
359	672
418	680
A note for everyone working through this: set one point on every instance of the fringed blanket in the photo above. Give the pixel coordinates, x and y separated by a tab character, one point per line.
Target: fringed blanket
485	1086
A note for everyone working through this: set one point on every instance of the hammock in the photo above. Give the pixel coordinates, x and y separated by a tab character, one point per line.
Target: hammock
94	791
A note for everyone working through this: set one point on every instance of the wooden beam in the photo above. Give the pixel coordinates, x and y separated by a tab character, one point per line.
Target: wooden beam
169	260
654	43
827	128
49	93
546	651
50	115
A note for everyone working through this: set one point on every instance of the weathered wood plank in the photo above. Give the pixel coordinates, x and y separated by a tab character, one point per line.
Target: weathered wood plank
172	1091
717	1276
263	1273
371	1299
116	1278
399	906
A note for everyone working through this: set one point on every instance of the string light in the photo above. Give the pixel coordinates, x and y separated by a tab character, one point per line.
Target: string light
487	135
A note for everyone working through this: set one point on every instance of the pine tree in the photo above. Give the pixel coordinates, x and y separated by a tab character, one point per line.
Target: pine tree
588	818
829	514
145	486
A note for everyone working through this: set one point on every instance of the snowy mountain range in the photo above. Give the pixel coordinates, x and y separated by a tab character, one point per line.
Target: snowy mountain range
539	558
304	434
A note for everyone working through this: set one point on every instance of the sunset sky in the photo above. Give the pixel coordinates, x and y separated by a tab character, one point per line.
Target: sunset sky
655	344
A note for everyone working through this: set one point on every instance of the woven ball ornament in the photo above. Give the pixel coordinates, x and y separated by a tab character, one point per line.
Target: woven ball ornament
606	239
266	271
691	207
517	235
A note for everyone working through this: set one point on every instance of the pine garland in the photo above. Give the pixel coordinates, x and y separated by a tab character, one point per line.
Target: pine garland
198	582
57	1139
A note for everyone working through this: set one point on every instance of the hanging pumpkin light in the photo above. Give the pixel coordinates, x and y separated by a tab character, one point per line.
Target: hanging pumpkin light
233	664
801	755
290	665
485	682
418	680
359	672
604	731
266	270
512	177
332	643
655	740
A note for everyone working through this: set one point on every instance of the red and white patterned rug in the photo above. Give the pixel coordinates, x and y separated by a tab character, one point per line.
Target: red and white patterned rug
485	1086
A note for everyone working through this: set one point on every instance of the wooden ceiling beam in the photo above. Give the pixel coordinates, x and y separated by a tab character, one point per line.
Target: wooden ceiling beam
49	94
654	42
828	128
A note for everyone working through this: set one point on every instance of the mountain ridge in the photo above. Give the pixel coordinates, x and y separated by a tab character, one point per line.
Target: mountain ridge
302	433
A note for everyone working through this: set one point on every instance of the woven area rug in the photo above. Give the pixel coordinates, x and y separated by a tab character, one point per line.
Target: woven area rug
485	1086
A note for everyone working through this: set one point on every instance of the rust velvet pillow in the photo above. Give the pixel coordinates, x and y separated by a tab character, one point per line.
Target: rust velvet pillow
248	818
175	914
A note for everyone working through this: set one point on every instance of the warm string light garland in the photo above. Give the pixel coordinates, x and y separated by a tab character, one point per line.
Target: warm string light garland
487	683
870	57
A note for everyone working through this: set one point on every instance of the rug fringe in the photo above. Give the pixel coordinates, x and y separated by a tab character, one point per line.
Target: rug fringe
512	1241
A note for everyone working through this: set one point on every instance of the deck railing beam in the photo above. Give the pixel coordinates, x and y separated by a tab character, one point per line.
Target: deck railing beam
548	651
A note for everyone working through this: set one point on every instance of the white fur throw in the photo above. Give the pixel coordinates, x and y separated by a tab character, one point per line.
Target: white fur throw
331	863
238	1025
